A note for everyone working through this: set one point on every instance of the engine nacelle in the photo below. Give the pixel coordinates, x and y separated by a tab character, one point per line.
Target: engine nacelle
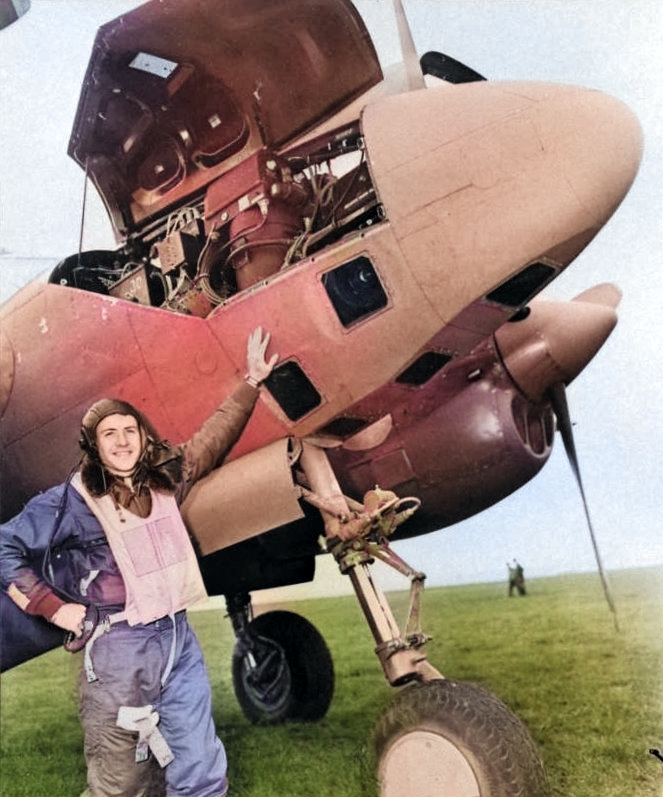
466	455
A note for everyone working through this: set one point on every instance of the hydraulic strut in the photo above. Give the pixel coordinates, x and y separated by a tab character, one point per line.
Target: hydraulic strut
400	653
266	672
356	534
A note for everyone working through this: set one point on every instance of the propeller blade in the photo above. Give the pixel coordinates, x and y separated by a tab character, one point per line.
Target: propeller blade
560	407
415	77
447	68
11	10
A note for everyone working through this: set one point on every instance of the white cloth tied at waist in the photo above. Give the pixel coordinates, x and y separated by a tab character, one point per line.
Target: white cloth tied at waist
144	720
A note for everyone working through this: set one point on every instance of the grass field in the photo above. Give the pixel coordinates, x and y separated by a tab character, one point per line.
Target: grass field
592	698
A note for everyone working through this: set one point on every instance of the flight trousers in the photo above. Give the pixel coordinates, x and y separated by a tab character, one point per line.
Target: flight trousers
159	664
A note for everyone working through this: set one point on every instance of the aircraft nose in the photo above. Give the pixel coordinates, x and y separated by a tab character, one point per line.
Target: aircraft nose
481	179
557	339
601	143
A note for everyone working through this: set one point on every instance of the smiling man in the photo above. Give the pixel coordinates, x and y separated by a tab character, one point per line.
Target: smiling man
120	443
112	538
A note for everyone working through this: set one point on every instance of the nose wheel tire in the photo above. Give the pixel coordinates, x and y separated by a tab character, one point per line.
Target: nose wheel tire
286	673
451	739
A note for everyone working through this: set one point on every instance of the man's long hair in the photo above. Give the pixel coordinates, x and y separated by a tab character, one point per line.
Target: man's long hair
159	466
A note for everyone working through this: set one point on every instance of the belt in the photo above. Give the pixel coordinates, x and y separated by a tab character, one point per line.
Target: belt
102	627
105	625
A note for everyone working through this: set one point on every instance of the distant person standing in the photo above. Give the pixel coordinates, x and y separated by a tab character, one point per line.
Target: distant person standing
516	578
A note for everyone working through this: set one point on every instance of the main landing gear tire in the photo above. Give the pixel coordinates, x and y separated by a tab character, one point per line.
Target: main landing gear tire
287	675
450	739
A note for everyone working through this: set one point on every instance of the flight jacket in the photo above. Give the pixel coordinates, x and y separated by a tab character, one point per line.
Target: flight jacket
78	559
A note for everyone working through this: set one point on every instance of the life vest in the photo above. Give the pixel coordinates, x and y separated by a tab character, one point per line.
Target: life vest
154	555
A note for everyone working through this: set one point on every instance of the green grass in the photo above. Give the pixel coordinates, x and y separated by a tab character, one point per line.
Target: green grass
591	698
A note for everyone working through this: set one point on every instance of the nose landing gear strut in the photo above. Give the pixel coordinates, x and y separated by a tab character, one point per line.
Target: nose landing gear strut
356	535
400	653
439	737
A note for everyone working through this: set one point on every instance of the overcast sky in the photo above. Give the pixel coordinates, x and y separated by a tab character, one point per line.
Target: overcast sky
615	404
